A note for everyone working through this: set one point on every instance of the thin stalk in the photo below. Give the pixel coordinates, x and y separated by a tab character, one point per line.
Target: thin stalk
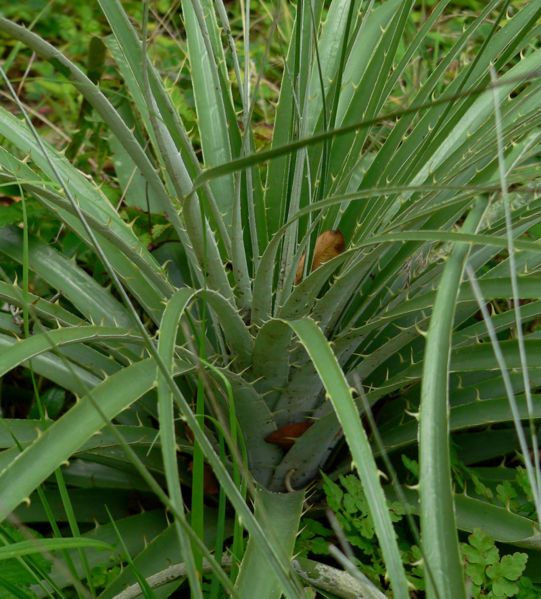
536	481
220	529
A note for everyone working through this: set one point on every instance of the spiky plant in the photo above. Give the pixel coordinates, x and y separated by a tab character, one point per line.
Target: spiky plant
259	352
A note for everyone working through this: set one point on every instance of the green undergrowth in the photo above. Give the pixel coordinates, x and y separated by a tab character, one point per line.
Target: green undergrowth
340	517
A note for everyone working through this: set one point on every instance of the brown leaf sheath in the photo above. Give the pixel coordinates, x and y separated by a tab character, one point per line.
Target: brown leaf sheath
286	435
328	245
300	270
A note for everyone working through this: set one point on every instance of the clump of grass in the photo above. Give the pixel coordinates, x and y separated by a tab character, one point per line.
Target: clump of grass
186	343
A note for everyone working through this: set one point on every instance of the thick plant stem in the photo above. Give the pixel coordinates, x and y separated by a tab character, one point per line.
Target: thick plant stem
279	515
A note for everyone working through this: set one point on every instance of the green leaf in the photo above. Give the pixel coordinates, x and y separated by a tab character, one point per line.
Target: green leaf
56	445
81	289
339	394
438	527
217	130
481	549
509	569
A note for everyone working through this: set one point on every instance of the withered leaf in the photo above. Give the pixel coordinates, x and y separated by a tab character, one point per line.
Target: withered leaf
328	245
286	435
